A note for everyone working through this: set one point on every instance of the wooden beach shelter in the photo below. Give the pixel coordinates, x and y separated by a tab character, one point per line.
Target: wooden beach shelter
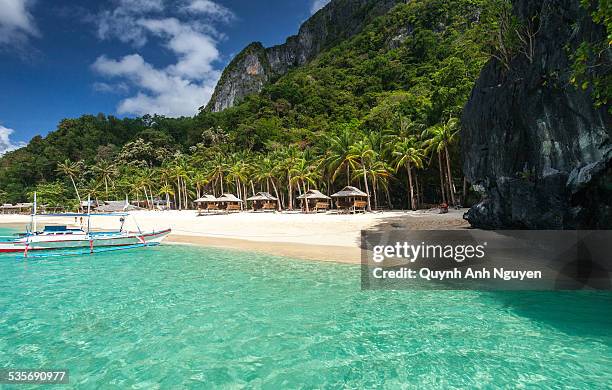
351	199
19	208
263	201
229	202
207	203
316	201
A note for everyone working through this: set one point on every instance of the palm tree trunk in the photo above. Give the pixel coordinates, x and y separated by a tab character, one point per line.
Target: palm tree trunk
76	190
464	193
276	194
442	186
178	195
388	197
418	189
305	200
451	186
374	187
348	174
290	192
411	186
365	180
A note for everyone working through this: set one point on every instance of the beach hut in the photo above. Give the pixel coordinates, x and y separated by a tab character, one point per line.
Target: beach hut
351	199
19	208
264	201
229	202
115	206
207	203
316	201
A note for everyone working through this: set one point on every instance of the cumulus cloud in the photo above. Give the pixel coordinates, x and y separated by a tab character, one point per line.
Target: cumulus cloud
317	5
6	145
16	22
209	8
179	88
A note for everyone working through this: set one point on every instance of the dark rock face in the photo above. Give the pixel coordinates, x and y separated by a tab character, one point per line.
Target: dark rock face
256	65
535	146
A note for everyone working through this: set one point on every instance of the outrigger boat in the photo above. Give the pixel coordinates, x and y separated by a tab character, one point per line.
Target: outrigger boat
62	240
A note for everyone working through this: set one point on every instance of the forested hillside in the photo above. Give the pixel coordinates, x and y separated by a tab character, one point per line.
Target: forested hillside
380	110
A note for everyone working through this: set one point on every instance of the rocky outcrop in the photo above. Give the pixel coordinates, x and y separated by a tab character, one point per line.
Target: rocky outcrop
256	65
534	145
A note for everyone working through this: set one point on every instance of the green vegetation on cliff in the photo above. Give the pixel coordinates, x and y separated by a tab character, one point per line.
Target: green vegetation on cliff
382	106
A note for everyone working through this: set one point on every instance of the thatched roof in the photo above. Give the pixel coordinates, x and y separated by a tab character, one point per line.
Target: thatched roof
17	206
112	206
206	199
314	194
228	198
349	191
263	196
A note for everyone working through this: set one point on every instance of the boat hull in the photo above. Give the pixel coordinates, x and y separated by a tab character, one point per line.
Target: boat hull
80	241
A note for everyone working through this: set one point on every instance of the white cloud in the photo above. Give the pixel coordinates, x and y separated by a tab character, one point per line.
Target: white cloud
209	8
317	5
16	22
119	22
174	90
6	145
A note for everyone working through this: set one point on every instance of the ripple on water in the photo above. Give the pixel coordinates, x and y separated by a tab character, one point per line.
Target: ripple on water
183	316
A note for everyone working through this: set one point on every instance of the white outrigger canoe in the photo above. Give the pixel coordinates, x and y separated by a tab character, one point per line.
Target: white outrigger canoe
64	240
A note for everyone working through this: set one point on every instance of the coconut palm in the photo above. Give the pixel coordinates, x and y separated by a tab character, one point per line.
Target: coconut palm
72	170
439	138
379	173
339	157
106	173
268	170
304	173
362	151
288	158
408	154
166	190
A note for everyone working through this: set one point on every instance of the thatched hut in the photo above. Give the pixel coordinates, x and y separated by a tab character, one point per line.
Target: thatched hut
263	201
351	199
19	208
207	203
229	202
115	206
316	201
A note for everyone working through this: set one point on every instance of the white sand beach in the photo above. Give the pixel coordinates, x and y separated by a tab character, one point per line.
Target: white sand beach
327	237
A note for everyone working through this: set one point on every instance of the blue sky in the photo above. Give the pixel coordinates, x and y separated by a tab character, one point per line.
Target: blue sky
61	59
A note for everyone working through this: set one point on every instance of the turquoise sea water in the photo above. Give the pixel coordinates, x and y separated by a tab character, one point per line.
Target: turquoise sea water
186	317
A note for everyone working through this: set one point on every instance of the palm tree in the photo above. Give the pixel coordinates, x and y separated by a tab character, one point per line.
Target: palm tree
268	170
380	173
217	168
106	173
288	159
167	190
72	170
408	154
303	172
339	156
440	138
363	152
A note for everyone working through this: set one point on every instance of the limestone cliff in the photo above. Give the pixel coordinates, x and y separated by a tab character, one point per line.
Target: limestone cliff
535	146
256	65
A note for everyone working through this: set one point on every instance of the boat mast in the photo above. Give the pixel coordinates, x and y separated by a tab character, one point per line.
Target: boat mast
88	212
34	207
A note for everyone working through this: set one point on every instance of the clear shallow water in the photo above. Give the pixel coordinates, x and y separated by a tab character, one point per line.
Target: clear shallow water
185	317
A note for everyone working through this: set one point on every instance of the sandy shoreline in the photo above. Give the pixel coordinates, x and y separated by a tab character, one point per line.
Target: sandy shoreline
325	237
